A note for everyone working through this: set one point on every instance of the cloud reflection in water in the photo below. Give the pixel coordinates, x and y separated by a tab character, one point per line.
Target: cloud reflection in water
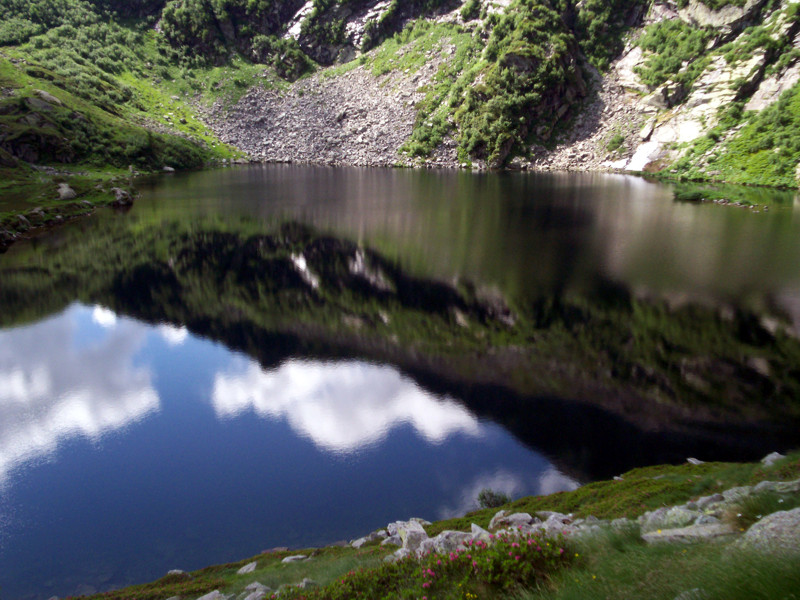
514	485
341	407
52	388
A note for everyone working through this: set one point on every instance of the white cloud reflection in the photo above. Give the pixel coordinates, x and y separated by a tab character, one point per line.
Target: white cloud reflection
173	336
341	407
104	317
552	481
52	389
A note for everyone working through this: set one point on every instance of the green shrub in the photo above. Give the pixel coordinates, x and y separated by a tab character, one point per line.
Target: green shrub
530	74
600	26
672	44
474	570
471	10
615	142
488	498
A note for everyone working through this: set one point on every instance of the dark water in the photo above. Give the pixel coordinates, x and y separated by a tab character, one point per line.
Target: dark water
132	442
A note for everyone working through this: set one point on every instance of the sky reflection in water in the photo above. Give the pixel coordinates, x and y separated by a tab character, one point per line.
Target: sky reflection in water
127	449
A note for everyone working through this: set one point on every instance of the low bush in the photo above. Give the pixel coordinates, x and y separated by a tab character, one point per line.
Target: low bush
478	569
488	498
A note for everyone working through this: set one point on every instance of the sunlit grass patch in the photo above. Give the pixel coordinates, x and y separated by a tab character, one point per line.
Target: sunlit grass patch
634	569
639	491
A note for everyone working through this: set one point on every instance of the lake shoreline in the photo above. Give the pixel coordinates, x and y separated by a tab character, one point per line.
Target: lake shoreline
664	504
94	191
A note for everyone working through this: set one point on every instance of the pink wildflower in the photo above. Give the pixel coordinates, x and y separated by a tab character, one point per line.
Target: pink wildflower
516	558
427	584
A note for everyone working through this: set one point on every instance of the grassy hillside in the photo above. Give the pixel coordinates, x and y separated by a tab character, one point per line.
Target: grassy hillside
89	94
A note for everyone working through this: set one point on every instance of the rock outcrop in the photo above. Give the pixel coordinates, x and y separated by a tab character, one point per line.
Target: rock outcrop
354	119
778	533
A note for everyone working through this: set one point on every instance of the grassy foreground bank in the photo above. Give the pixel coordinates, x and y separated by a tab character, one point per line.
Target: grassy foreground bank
615	564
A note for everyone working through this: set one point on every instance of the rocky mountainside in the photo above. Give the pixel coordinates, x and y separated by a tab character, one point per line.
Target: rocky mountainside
698	92
696	89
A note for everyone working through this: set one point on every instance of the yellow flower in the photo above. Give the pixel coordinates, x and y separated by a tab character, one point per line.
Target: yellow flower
577	555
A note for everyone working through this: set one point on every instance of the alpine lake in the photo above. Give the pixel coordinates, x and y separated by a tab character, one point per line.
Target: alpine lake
267	356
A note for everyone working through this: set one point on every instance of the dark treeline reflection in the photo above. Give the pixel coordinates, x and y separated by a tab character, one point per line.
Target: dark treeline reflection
598	381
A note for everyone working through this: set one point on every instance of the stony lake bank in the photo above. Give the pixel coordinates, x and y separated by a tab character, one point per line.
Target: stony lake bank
654	522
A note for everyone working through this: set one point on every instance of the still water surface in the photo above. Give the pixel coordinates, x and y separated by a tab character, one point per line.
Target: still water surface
130	448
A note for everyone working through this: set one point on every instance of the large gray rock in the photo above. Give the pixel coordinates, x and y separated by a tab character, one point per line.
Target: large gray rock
668	518
412	539
215	595
736	494
558	523
372	537
395	527
769	90
295	558
515	520
693	533
411	533
778	533
256	591
479	534
427	546
121	197
494	523
248	568
257	586
449	541
771	458
726	18
65	192
707	502
392	540
48	97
